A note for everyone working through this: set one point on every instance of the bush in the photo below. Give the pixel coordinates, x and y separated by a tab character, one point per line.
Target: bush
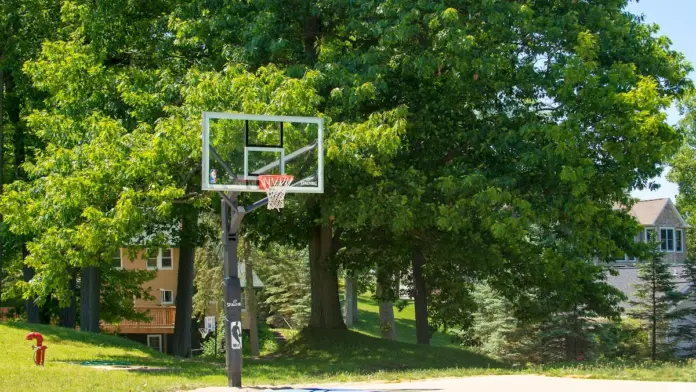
626	339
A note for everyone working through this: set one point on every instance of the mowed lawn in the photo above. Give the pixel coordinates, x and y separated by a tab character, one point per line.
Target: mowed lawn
368	315
310	356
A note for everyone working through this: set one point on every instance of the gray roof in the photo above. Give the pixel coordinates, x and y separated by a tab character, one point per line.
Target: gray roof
628	276
242	277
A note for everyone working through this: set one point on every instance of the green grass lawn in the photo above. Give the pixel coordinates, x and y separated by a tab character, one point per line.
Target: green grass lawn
310	356
368	314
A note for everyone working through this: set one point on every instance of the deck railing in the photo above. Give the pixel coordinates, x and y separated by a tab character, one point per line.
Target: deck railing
160	317
4	314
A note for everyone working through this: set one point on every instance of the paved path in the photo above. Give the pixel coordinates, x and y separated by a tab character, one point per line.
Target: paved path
517	383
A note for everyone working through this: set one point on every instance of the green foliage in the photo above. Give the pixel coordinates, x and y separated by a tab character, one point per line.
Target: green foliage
119	290
286	295
685	331
626	339
656	298
683	171
214	345
208	267
573	335
493	321
404	317
496	136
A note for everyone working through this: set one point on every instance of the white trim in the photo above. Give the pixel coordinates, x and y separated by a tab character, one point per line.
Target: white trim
171	259
159	337
162	291
205	173
674	237
159	261
681	231
120	259
645	232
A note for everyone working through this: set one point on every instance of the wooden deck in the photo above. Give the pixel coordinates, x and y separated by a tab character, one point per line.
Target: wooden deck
162	321
4	314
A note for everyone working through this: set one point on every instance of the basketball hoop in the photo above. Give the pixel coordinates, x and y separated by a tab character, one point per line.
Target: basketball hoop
275	186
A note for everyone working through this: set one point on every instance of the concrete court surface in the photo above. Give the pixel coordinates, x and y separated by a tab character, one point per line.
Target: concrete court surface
515	383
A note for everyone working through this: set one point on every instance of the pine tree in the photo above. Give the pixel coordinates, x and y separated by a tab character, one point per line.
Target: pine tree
685	331
286	296
657	296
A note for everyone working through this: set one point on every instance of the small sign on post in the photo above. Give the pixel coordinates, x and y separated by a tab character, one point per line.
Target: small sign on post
236	335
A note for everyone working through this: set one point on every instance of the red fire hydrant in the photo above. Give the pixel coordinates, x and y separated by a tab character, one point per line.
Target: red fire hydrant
39	349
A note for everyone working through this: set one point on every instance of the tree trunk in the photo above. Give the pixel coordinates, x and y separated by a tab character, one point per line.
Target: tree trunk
386	311
420	299
326	307
89	299
251	300
67	314
33	311
181	344
351	295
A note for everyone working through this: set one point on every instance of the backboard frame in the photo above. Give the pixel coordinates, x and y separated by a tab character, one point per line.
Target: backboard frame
285	156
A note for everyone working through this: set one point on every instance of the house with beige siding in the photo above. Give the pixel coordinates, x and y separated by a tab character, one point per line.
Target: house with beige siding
158	332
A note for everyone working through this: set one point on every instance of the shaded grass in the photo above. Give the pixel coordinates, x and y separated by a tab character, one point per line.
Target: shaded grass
311	356
368	314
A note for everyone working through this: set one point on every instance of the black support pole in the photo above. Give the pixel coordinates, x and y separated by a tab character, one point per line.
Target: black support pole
231	219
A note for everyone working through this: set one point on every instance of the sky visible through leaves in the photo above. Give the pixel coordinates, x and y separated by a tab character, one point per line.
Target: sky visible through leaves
675	18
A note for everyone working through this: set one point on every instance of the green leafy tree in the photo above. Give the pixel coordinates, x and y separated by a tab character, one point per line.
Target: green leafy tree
23	25
513	119
484	121
656	299
683	165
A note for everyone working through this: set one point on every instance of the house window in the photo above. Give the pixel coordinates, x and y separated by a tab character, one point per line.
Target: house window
155	341
167	297
162	260
667	240
649	235
679	245
166	259
116	260
152	262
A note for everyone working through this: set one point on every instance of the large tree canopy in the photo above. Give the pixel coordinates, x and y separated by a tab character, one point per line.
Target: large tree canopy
490	140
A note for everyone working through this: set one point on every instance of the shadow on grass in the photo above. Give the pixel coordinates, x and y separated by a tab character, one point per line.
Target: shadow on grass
369	322
310	355
320	351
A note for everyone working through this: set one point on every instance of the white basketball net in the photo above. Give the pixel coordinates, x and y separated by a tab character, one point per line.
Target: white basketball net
275	186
